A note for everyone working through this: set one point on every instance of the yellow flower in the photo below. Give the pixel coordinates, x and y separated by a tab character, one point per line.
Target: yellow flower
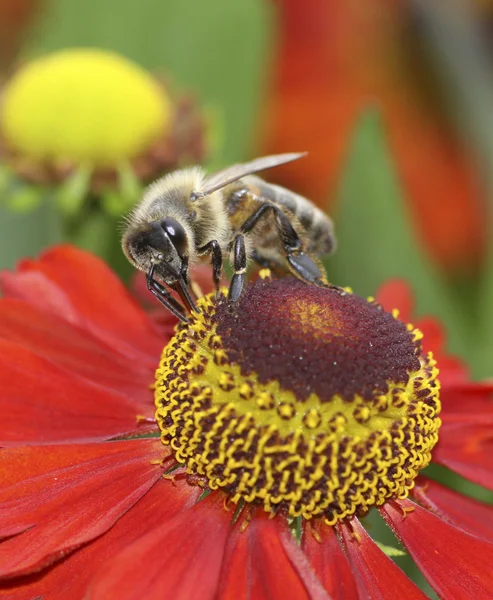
86	120
83	105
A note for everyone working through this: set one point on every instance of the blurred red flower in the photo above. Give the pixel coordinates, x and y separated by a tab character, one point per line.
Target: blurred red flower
334	59
15	17
86	513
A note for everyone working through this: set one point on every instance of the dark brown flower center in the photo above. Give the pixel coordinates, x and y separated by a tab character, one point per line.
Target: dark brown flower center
300	398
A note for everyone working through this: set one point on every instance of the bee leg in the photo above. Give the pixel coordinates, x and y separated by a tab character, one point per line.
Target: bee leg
265	263
193	288
305	268
214	249
181	288
166	299
260	260
239	265
301	264
184	270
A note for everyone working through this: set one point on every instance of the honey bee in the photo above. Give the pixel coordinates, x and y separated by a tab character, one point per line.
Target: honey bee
187	216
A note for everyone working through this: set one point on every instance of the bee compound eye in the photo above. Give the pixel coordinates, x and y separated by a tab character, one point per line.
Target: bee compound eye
176	234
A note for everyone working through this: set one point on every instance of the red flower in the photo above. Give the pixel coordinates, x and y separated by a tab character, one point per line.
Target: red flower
15	17
333	60
86	513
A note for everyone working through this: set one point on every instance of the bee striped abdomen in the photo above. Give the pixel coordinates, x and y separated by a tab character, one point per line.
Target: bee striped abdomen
318	226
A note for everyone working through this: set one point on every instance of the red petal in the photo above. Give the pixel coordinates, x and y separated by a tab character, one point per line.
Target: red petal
397	293
378	577
471	515
75	349
79	287
16	17
63	496
329	562
452	370
180	559
333	59
467	402
467	449
307	76
264	562
456	564
70	577
43	403
453	228
434	334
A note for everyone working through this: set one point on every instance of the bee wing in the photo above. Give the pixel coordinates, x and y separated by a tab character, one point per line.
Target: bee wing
220	179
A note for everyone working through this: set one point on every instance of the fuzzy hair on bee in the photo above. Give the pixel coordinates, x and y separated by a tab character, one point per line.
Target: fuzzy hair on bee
188	216
169	198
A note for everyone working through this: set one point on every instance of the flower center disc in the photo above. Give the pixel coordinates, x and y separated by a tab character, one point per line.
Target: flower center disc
299	398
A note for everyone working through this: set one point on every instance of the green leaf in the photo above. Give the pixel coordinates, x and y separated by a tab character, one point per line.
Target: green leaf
215	138
376	239
216	49
113	202
390	551
96	233
23	198
73	192
129	186
6	176
23	235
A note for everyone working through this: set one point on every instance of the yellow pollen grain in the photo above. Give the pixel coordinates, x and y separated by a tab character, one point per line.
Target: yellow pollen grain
220	357
265	274
246	390
286	411
264	400
226	382
312	418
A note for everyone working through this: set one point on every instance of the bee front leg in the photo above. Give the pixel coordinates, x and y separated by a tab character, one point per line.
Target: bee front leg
214	249
166	299
239	265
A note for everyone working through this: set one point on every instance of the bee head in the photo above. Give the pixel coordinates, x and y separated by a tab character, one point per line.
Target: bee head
162	243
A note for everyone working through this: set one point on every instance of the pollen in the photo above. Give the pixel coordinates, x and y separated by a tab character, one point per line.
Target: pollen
307	401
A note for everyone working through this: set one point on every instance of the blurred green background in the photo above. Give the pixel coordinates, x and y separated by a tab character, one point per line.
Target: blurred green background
393	100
